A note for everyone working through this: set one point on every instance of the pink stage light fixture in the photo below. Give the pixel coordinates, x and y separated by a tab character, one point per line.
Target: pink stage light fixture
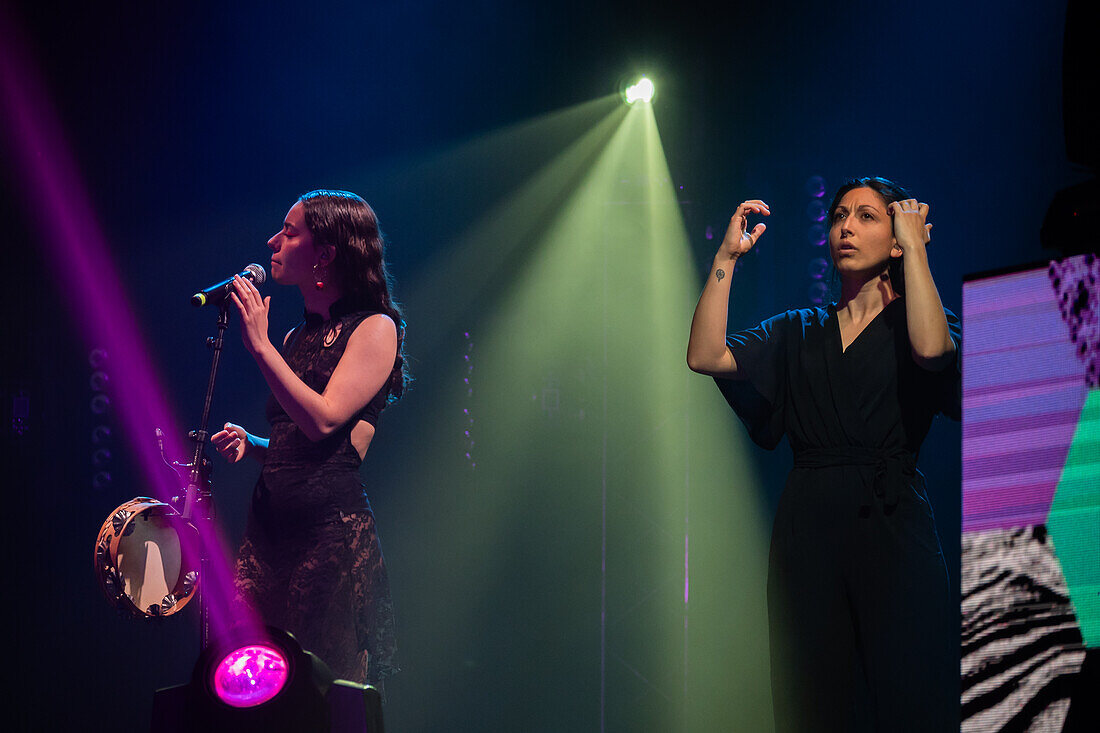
251	675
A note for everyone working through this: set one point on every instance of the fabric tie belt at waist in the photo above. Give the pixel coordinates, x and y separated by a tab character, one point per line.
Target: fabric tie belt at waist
893	468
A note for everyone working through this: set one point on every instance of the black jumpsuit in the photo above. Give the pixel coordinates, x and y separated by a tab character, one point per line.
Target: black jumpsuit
310	561
862	628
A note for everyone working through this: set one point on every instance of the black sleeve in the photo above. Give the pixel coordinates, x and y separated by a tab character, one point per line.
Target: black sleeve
949	381
760	354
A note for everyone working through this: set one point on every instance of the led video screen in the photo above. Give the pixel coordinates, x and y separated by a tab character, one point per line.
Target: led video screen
1031	497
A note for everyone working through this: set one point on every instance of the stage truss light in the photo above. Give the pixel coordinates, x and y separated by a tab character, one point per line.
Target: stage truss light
641	91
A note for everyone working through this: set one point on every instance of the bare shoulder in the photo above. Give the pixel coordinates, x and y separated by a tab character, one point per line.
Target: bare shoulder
371	349
374	331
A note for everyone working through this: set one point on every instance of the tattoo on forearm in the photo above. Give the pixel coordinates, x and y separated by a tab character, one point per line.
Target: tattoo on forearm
719	273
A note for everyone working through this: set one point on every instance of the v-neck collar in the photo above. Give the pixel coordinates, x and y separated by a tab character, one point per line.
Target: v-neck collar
834	311
845	392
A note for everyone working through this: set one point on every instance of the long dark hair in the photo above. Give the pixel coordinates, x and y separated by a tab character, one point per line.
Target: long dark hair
891	193
348	223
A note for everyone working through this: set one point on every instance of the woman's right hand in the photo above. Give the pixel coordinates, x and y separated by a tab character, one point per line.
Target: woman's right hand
739	239
231	441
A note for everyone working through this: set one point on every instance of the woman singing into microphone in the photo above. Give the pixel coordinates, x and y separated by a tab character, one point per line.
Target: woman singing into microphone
310	561
863	632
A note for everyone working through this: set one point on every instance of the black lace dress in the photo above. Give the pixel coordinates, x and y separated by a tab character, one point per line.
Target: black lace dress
310	561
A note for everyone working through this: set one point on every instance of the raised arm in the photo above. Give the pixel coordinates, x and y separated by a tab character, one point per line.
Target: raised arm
929	338
707	352
362	370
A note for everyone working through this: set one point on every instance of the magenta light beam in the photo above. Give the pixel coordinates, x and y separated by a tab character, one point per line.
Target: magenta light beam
78	254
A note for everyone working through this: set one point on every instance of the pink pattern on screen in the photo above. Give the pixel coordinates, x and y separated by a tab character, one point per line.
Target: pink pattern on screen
1029	341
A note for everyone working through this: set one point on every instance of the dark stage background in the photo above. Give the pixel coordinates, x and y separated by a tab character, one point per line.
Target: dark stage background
195	126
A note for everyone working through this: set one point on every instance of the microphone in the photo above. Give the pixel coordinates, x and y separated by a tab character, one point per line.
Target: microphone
218	292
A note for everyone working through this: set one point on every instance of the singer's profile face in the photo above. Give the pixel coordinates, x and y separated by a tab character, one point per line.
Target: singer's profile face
292	252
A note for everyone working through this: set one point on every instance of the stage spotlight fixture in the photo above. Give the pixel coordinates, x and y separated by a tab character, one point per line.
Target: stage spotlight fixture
250	675
98	381
818	293
817	235
261	679
101	434
101	457
97	357
99	403
815	210
818	268
641	91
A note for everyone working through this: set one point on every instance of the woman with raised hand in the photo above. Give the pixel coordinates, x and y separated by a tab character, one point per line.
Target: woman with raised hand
863	632
310	561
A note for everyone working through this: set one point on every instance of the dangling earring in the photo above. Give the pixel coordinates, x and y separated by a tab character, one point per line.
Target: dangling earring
318	281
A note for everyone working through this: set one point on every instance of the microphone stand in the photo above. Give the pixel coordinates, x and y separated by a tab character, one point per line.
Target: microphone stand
198	506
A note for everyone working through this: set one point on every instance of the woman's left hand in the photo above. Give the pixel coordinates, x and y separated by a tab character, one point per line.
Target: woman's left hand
910	228
253	310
